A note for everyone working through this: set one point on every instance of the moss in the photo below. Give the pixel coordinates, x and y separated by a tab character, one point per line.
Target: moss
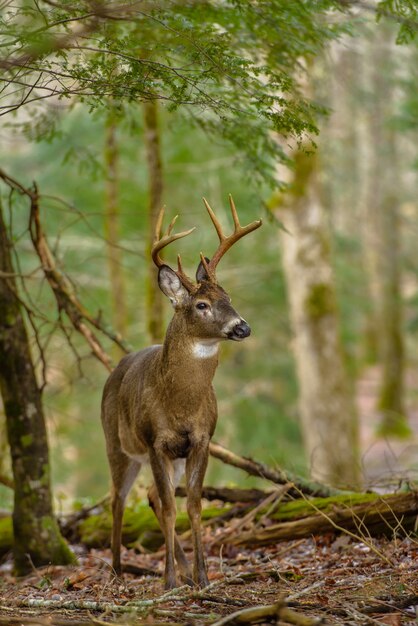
6	535
139	525
304	166
320	301
394	425
45	478
26	440
302	508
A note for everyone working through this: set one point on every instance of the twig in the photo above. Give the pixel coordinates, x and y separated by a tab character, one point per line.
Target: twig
90	605
239	524
306	590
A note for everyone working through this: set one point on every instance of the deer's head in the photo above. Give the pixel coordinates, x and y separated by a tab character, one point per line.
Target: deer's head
203	304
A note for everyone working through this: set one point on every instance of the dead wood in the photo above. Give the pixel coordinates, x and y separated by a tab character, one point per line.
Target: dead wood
277	476
226	494
375	516
389	606
269	613
358	514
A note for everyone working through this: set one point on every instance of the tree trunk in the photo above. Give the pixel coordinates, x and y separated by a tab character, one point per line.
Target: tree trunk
155	298
328	414
37	539
111	224
382	234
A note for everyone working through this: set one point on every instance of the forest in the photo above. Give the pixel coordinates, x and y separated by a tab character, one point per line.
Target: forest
140	141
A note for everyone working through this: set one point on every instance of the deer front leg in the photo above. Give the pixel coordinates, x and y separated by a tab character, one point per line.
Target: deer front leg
195	472
162	470
181	559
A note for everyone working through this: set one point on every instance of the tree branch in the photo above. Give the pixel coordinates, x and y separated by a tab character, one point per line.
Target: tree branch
61	286
277	476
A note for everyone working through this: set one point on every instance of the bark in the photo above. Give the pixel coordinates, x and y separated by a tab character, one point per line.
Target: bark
328	414
37	539
112	228
155	298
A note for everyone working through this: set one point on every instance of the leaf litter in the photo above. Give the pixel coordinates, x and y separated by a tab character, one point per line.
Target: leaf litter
323	579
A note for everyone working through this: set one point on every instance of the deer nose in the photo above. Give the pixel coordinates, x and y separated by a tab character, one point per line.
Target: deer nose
241	330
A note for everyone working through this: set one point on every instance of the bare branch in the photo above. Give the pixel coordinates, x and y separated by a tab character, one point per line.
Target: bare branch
60	284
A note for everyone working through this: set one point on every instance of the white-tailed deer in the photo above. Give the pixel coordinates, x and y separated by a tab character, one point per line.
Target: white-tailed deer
159	404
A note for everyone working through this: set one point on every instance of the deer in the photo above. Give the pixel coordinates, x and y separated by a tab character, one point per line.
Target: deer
159	405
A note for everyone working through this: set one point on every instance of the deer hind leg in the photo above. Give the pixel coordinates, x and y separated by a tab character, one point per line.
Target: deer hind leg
155	504
195	472
124	471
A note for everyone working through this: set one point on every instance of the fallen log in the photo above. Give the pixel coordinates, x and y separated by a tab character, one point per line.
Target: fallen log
362	514
228	494
277	476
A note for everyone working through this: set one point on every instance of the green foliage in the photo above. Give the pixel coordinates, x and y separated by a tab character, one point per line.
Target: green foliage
405	12
231	67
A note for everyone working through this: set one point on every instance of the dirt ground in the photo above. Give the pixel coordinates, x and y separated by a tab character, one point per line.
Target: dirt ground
336	579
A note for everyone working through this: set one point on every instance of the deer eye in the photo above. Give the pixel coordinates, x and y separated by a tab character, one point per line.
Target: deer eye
202	306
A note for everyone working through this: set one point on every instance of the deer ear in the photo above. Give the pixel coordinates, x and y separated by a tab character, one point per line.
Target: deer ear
201	272
171	285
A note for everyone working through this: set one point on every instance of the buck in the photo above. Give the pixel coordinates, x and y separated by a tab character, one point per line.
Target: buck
159	405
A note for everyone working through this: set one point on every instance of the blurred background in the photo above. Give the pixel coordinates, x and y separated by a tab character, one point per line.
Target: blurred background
93	172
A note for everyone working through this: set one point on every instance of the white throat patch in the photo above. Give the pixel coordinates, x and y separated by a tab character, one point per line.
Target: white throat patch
205	349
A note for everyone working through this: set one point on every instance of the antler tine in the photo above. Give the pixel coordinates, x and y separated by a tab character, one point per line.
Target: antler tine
161	242
215	220
234	212
183	276
226	241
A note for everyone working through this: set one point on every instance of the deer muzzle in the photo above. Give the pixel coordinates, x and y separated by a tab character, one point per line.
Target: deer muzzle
240	331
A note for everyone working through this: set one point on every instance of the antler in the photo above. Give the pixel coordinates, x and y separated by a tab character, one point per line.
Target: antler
161	242
225	242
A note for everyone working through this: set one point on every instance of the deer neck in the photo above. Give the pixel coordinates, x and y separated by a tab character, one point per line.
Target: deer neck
188	364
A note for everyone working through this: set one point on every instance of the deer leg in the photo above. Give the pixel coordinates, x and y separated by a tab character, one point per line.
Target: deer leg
195	472
155	504
124	472
162	470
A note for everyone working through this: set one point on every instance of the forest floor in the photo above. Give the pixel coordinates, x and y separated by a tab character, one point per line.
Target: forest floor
385	461
331	579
